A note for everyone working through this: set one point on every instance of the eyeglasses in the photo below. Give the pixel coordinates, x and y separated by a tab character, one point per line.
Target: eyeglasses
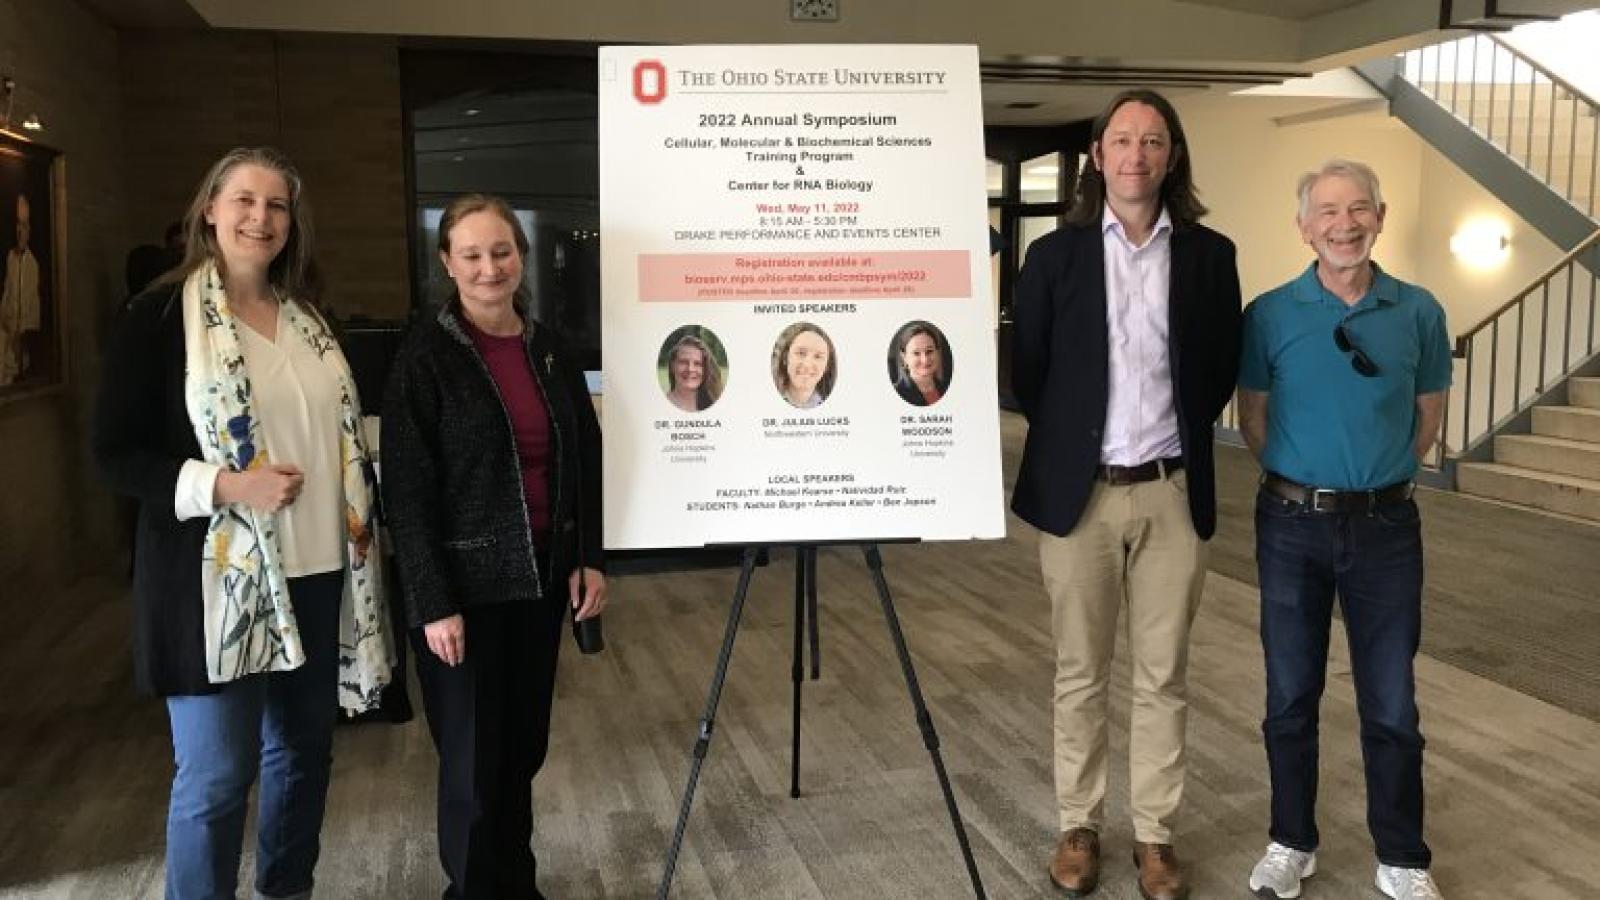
1359	361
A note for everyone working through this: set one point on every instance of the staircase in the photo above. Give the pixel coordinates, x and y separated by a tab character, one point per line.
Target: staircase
1556	467
1522	423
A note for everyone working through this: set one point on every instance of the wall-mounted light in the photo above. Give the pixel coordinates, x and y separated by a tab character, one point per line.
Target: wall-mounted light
8	99
1482	243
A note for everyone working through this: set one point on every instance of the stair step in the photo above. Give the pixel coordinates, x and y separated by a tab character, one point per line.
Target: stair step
1562	456
1576	422
1542	490
1584	392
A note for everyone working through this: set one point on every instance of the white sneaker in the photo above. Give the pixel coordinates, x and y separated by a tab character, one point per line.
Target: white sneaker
1407	884
1279	873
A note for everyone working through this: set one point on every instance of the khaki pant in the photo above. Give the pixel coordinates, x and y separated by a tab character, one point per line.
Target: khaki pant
1135	542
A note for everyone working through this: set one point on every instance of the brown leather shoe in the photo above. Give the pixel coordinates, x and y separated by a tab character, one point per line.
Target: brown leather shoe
1160	874
1076	866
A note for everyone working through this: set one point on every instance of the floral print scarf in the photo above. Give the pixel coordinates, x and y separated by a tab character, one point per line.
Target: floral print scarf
249	620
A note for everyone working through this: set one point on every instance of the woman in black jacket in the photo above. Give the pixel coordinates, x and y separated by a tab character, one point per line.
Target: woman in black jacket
228	410
491	481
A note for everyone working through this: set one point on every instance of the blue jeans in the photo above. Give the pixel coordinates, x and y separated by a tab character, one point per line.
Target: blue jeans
279	725
1374	562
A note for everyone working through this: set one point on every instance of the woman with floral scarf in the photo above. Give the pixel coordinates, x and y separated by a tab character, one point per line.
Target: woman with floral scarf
227	408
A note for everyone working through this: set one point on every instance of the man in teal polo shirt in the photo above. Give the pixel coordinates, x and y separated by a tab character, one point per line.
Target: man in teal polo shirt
1341	391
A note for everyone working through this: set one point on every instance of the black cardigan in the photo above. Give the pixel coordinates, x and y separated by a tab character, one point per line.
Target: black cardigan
452	484
140	438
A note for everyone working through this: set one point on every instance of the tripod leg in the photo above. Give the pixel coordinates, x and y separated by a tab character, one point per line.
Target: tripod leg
930	738
702	743
812	618
798	667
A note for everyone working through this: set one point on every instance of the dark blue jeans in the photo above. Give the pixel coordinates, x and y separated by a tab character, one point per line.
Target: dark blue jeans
1374	563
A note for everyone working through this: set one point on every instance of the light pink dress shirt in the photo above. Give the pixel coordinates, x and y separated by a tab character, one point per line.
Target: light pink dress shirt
1141	420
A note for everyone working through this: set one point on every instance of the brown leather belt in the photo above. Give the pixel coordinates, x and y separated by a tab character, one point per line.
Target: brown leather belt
1325	500
1153	470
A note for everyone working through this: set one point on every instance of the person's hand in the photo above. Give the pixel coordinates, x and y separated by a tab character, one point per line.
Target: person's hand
447	638
265	489
592	599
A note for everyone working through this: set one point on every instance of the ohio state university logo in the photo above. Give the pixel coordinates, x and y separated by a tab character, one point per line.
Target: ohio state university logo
649	81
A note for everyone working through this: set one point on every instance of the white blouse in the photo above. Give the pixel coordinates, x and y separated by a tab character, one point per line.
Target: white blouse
296	399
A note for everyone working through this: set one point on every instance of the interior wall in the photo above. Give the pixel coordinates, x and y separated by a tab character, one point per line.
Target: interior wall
54	522
1247	166
331	103
1453	200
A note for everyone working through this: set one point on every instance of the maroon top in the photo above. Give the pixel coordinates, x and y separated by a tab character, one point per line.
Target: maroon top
530	420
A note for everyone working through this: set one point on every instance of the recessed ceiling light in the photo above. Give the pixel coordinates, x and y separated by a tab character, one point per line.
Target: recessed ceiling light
471	112
458	158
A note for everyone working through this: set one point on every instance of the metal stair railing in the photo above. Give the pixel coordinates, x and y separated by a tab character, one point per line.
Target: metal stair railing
1539	354
1520	106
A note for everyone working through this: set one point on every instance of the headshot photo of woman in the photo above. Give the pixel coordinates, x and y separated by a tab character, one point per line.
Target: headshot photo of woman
919	363
803	365
691	367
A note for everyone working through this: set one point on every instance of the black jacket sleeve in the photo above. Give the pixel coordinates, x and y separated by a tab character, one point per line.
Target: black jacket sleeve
409	449
129	435
1033	314
1229	319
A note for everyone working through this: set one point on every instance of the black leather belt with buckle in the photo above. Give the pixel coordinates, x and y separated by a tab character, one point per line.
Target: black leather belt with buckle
1151	471
1325	500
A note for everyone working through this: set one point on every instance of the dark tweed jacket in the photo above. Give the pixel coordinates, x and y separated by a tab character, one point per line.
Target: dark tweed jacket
452	485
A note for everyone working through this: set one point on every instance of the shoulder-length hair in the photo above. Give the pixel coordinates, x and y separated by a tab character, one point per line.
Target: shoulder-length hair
1178	194
294	271
902	339
711	383
467	204
780	358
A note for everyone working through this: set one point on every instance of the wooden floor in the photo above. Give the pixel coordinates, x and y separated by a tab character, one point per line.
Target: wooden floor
1513	782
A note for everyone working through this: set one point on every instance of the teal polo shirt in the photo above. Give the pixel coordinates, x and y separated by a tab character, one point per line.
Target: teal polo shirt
1328	425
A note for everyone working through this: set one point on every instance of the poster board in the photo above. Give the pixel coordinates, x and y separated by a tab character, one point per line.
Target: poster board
797	317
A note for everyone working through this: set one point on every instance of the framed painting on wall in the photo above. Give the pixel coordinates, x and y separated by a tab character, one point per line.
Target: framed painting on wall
32	297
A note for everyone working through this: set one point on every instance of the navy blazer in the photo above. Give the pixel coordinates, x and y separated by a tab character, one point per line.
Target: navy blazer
1061	363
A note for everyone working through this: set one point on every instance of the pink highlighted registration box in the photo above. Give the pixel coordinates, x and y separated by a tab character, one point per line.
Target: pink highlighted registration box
888	275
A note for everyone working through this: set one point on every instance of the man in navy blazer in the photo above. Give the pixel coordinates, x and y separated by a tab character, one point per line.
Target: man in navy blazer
1128	330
